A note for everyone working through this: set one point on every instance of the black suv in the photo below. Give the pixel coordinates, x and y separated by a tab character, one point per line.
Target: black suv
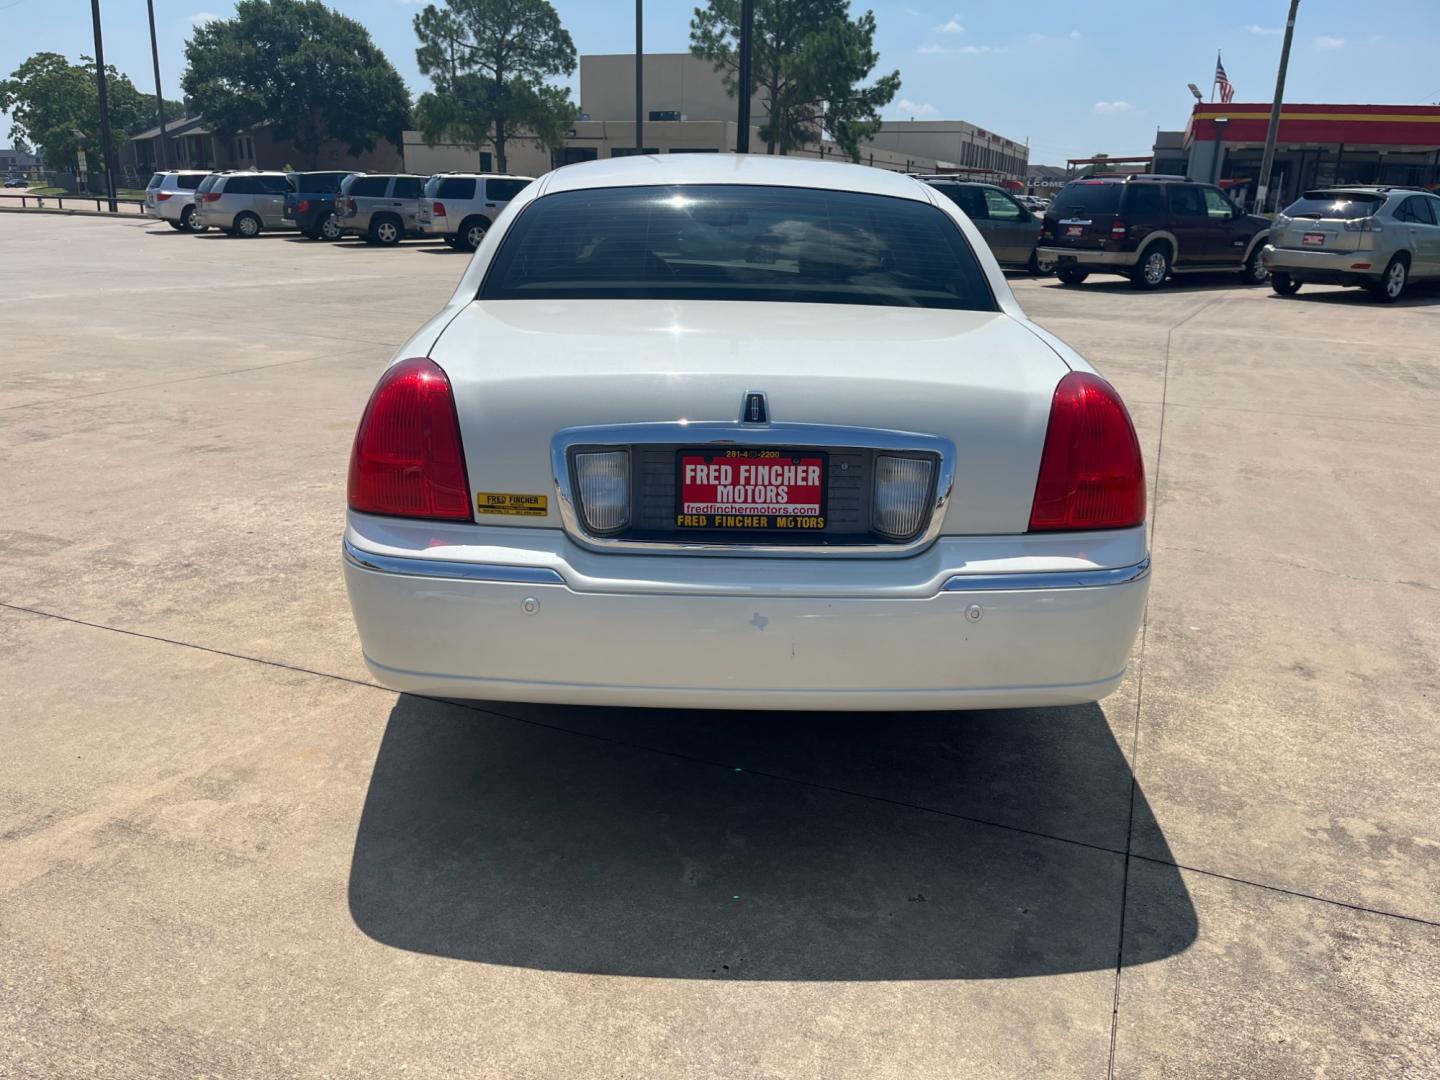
1147	227
311	206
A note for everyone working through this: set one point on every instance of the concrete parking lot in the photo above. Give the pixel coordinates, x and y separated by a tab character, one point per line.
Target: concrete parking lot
225	852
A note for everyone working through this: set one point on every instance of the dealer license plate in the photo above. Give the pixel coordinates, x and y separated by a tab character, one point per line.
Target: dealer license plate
1074	230
751	489
1313	239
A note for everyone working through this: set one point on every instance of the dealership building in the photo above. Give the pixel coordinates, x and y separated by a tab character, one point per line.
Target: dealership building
1316	145
688	111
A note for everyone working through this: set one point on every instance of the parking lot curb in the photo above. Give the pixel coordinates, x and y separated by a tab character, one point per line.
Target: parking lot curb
70	213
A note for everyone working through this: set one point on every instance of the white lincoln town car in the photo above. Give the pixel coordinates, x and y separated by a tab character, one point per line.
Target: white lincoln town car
743	432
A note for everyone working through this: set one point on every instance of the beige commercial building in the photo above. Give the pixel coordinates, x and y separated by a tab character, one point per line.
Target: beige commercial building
687	110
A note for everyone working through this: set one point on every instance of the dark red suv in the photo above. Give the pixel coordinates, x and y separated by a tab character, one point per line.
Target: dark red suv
1147	227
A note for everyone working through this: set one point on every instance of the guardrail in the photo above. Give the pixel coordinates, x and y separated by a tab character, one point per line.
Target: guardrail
60	200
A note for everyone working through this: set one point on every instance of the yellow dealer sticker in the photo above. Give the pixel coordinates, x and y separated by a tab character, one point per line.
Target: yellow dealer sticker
500	502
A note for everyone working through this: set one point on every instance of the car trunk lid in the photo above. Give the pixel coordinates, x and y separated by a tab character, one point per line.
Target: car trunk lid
523	371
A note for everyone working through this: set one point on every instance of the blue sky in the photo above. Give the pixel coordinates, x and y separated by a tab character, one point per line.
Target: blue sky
1074	76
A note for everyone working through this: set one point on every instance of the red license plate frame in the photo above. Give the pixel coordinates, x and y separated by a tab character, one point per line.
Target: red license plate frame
751	489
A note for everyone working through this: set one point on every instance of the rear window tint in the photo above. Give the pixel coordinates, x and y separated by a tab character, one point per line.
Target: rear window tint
407	187
319	183
967	198
456	187
369	186
1335	204
1088	197
189	181
1147	200
504	190
240	185
207	183
155	181
1186	201
737	242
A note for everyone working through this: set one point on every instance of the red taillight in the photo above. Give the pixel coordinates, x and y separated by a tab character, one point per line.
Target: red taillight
212	196
350	206
1117	230
161	196
1091	472
302	206
438	209
407	460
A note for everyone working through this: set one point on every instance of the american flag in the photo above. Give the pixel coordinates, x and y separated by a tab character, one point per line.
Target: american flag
1227	92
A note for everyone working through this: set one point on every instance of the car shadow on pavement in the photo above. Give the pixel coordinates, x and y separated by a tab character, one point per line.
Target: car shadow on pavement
1205	282
755	845
1417	294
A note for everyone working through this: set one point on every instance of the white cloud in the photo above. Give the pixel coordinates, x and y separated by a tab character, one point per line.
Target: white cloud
965	50
1074	35
906	107
1264	31
1113	106
200	18
1324	42
951	27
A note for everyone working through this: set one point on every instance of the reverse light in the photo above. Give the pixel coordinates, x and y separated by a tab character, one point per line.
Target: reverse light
1091	472
603	481
407	460
1117	230
901	496
438	209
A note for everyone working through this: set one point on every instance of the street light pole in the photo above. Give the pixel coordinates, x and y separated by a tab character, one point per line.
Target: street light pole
104	106
159	97
639	76
1268	160
747	33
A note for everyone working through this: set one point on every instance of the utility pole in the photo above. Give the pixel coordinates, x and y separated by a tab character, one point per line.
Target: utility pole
747	33
1268	160
104	106
639	76
159	97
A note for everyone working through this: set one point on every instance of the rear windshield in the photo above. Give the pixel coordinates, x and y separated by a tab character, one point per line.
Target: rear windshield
155	181
1335	204
737	242
369	186
189	181
320	183
1089	197
456	187
207	183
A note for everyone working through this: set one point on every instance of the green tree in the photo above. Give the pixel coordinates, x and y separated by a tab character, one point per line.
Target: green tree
488	61
55	105
309	72
810	63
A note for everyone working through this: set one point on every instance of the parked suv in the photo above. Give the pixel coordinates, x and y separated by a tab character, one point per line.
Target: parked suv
311	205
1011	229
1147	227
379	208
243	203
1381	238
461	206
170	196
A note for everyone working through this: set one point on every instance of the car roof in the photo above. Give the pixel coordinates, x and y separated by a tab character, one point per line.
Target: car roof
757	169
481	175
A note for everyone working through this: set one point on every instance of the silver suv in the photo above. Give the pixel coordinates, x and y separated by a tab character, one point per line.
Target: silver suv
243	203
170	196
379	208
461	206
1381	238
